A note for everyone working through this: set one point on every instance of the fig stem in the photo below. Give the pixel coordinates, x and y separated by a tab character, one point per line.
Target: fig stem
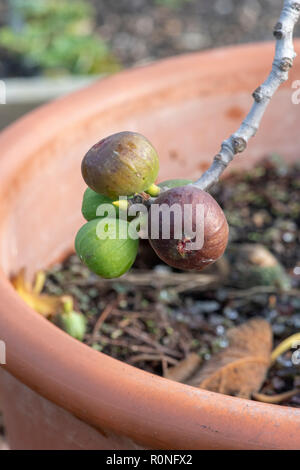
68	303
283	61
153	190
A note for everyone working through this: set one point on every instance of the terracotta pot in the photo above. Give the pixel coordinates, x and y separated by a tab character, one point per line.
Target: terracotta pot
56	392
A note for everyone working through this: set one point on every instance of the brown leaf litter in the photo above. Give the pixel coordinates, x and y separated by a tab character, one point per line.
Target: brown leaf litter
240	369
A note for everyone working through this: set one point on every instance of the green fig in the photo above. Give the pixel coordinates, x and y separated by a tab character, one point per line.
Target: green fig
120	165
255	265
170	184
108	257
268	276
74	324
90	203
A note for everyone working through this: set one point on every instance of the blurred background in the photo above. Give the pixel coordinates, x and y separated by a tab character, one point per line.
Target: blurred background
51	47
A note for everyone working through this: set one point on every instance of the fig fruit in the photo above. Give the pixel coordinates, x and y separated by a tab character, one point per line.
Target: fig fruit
109	257
169	184
120	165
90	203
74	324
255	265
182	250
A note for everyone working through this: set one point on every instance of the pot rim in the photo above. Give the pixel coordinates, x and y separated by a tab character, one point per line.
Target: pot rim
108	394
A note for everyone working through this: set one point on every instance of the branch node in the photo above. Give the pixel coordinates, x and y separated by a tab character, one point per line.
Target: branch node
296	6
278	33
285	64
219	158
239	144
258	95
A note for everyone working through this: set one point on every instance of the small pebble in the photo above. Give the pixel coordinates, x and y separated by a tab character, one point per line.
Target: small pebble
220	330
278	383
297	270
278	329
288	237
284	362
230	313
208	306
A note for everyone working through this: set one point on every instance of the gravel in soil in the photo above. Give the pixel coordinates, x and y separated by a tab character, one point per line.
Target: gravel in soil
155	316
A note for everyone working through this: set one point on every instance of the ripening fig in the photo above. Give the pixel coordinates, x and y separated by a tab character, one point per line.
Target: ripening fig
177	250
120	165
107	257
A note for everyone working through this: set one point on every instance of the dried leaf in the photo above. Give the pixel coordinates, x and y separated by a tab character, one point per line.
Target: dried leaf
44	304
184	369
241	368
276	399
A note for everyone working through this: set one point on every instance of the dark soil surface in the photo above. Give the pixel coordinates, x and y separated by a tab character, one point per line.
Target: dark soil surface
154	316
143	30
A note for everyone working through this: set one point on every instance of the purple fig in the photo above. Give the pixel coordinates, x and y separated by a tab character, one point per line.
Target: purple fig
183	250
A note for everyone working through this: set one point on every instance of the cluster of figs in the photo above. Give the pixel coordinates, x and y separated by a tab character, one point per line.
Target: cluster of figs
126	164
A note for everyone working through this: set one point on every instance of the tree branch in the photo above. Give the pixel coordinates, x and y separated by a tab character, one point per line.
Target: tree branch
283	61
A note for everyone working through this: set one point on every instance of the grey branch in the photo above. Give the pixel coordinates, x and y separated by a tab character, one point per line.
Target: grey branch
283	61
